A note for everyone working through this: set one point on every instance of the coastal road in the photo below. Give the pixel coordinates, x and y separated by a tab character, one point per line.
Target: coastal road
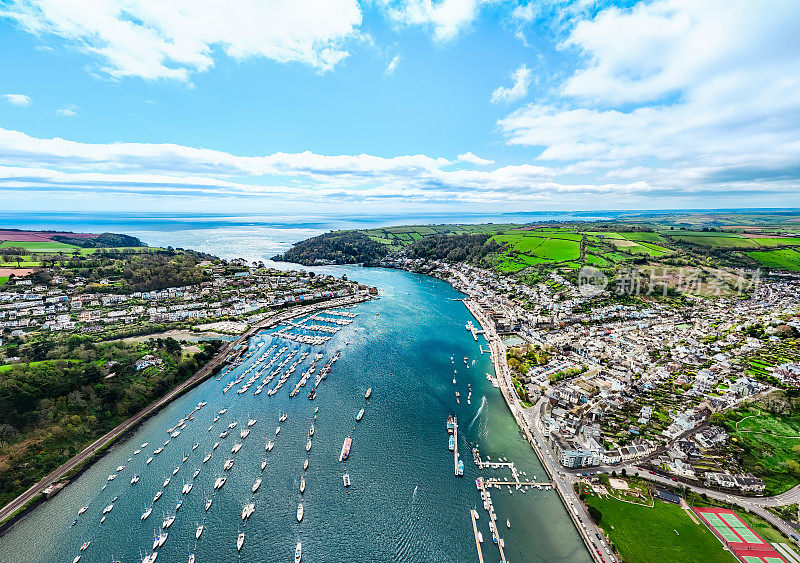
198	377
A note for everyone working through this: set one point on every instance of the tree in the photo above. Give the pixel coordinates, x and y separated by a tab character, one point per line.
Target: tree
717	418
595	514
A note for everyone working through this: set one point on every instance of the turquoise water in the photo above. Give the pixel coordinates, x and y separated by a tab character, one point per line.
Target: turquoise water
405	504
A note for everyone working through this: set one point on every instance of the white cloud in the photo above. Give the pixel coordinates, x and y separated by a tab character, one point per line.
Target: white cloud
668	82
474	159
68	111
392	66
18	99
448	18
521	79
171	40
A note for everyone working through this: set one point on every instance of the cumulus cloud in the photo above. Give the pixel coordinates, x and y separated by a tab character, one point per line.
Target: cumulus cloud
18	99
474	159
677	92
521	79
68	111
448	18
392	66
171	40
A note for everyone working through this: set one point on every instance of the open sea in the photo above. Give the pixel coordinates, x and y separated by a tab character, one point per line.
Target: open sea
404	503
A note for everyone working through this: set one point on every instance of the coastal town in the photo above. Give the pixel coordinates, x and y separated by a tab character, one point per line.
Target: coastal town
602	385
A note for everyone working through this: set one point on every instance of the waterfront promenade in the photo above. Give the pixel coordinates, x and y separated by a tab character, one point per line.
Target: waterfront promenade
98	445
562	484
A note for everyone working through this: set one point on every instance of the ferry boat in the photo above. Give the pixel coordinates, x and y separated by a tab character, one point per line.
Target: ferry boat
300	512
240	541
345	448
208	504
368	394
308	445
158	496
134	479
302	485
198	532
228	465
146	513
298	552
257	484
168	521
346	480
360	415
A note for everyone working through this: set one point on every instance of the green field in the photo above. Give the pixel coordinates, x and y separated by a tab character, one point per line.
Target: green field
40	246
767	444
717	241
3	280
642	534
555	249
784	259
789	241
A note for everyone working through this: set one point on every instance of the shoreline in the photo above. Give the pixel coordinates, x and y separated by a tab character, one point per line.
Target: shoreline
13	511
498	359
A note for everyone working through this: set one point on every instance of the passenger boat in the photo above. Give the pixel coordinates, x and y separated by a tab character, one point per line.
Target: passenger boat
345	453
300	512
298	552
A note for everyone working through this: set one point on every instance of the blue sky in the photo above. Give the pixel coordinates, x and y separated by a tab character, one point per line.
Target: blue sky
389	105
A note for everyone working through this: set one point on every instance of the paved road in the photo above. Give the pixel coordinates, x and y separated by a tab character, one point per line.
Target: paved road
204	372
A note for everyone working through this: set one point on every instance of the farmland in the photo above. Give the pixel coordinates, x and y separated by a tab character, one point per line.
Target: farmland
785	259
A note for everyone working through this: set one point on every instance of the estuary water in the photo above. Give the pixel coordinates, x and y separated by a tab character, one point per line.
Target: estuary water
404	502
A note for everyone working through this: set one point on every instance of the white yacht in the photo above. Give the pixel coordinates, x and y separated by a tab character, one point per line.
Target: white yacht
240	541
298	552
257	484
270	445
208	504
205	459
198	532
300	512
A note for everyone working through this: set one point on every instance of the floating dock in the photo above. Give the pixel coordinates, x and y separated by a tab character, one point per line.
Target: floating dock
475	531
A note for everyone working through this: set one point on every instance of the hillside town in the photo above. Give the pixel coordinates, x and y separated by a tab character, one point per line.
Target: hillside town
635	382
234	296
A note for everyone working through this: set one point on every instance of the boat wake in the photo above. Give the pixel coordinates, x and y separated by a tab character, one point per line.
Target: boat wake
477	414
